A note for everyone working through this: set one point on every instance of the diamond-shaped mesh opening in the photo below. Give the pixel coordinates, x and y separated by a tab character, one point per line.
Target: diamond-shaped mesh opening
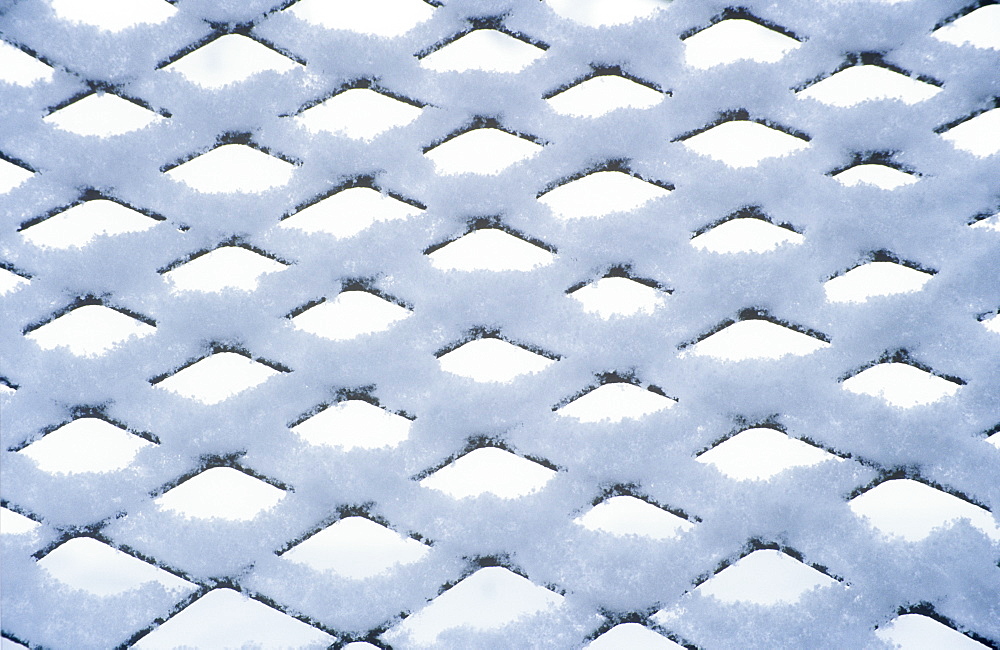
576	323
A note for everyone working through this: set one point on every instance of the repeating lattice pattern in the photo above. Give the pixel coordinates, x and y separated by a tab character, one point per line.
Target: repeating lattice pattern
300	237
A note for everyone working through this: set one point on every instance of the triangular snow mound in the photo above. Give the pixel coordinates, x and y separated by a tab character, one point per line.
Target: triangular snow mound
745	235
358	113
918	632
102	114
979	136
385	18
761	453
616	296
481	151
217	378
492	360
12	175
89	331
598	13
633	636
14	523
881	176
980	28
742	143
224	618
226	267
233	168
20	68
87	564
489	470
114	15
356	548
615	402
901	384
82	223
911	510
756	339
624	515
765	577
220	492
349	212
490	598
354	424
736	39
989	223
600	194
488	50
11	282
85	445
231	58
993	324
490	249
349	315
874	279
864	83
602	94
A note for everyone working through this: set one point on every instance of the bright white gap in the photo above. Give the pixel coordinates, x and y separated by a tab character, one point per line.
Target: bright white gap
742	143
84	222
10	282
103	115
224	618
875	279
484	151
616	402
360	645
990	223
358	113
624	515
231	58
12	175
220	492
598	13
217	378
918	632
602	94
14	523
226	267
6	390
862	83
233	168
489	599
759	454
736	39
617	296
756	339
349	315
980	136
600	194
487	50
881	176
911	510
356	548
114	15
89	331
765	577
354	424
87	564
492	360
349	212
85	445
20	68
745	235
900	384
490	249
980	28
993	324
489	470
386	18
633	637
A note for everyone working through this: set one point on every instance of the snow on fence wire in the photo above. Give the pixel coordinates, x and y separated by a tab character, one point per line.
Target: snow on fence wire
500	324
